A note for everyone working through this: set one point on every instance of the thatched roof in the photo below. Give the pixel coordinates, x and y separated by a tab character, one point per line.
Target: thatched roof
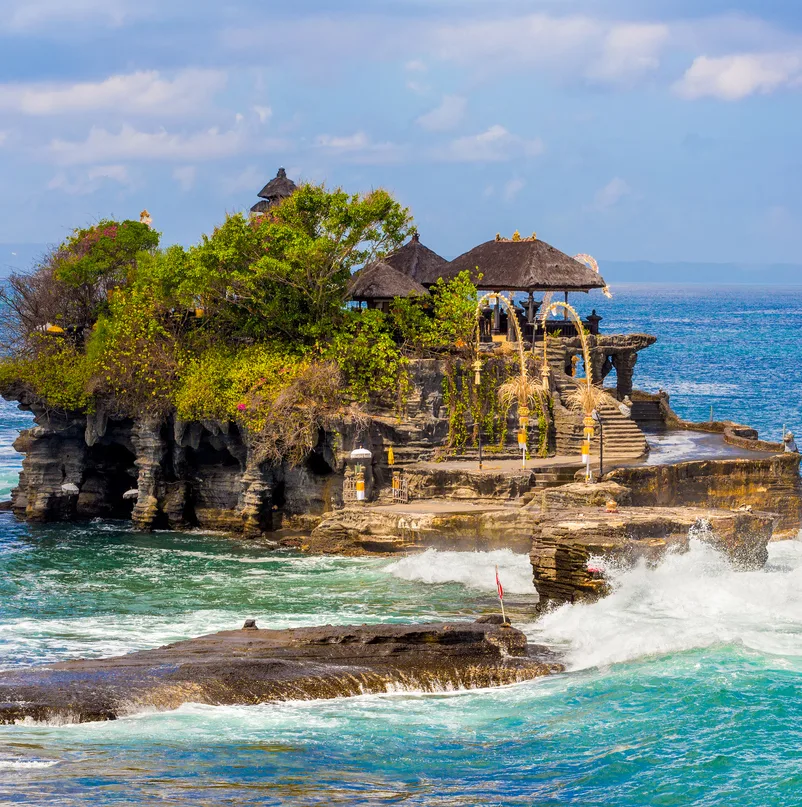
380	281
525	265
262	206
278	188
417	261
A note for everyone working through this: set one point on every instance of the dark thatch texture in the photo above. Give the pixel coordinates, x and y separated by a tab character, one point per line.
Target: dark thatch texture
277	189
418	262
262	206
524	266
379	281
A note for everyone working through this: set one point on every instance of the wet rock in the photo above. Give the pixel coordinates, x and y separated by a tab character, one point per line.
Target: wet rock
254	666
563	545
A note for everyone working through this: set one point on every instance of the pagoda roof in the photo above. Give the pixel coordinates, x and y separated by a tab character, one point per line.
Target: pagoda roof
524	265
417	261
280	187
380	281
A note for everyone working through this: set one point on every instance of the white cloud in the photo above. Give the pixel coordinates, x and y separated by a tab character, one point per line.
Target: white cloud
354	142
185	176
142	92
264	113
628	51
131	144
513	188
89	181
415	66
611	194
571	45
447	115
737	76
359	148
27	14
494	145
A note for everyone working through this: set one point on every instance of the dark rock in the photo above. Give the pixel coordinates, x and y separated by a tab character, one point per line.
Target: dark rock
250	624
254	666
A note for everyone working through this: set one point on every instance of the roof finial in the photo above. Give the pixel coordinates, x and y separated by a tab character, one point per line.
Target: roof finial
281	173
416	237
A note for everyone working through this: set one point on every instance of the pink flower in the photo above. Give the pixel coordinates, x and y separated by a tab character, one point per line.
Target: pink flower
242	407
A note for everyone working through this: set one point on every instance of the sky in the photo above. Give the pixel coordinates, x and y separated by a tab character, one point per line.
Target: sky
656	130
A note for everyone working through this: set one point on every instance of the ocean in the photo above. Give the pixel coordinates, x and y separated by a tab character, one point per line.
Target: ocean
684	687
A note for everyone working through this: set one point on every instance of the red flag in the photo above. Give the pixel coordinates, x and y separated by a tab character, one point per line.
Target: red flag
498	586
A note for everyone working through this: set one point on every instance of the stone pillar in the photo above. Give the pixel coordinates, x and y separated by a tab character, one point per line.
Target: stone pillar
256	500
150	451
497	318
55	456
624	364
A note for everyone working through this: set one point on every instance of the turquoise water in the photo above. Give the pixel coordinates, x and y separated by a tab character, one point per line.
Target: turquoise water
683	687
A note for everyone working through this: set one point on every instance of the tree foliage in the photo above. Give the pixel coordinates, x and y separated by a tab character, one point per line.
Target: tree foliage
248	326
286	273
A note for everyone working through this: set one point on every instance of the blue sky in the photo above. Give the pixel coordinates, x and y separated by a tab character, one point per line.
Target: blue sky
667	130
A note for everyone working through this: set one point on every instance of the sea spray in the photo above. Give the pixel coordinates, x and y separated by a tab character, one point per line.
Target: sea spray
476	570
691	600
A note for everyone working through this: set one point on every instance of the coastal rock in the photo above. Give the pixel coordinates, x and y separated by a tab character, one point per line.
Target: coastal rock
583	494
251	666
563	546
361	530
770	484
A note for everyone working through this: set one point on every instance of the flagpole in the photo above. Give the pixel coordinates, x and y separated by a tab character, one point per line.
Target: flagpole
500	598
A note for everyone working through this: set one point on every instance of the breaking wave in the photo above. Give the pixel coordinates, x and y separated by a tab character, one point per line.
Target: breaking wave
474	570
689	601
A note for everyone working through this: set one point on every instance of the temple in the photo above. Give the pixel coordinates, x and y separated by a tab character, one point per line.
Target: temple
379	284
280	187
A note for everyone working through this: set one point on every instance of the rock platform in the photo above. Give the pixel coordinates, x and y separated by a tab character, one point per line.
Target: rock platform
251	666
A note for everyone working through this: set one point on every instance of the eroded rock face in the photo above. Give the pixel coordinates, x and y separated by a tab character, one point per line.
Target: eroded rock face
378	530
253	666
563	546
583	494
772	484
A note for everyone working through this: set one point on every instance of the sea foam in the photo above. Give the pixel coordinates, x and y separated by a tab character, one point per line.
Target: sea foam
474	570
693	600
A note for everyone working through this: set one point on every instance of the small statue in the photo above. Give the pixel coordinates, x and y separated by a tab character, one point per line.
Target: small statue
625	407
790	443
144	218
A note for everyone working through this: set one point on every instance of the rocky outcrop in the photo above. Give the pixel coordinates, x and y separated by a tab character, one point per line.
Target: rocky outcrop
770	484
563	547
451	525
254	666
582	494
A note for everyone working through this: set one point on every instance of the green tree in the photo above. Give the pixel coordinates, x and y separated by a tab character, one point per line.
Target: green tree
287	272
95	260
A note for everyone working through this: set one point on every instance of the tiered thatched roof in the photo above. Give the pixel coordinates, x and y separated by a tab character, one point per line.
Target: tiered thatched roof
380	281
277	189
524	265
418	261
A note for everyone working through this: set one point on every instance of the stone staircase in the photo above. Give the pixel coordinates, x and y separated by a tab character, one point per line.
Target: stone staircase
623	438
